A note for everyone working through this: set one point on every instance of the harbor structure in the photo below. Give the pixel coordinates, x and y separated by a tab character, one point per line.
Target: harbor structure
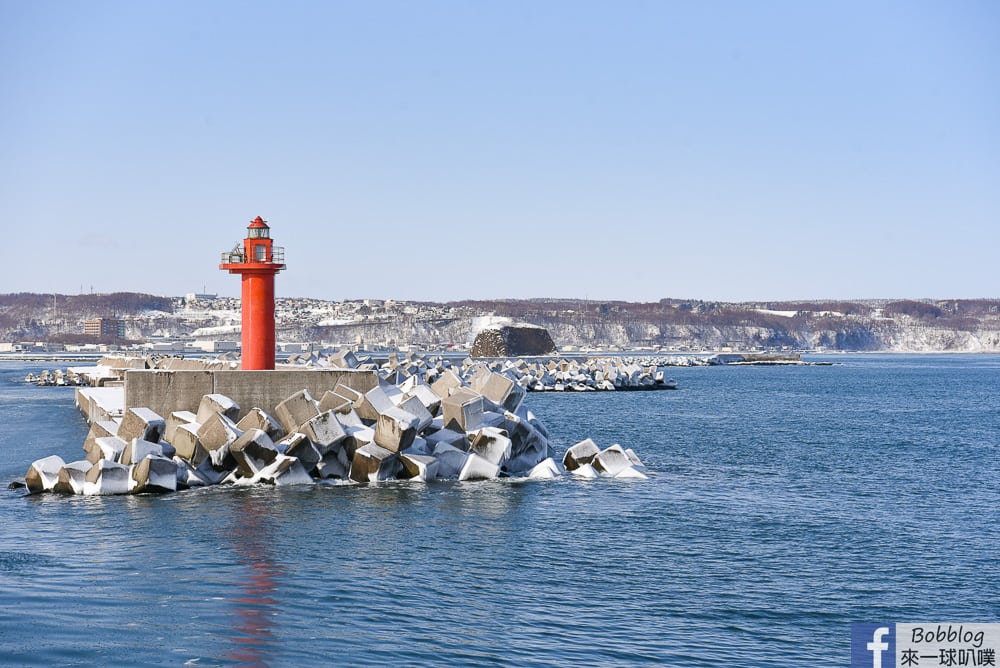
257	261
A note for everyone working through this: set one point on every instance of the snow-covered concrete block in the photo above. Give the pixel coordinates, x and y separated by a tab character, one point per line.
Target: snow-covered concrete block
98	429
428	397
253	451
634	458
141	423
395	429
106	477
463	410
414	406
258	418
585	471
154	474
175	420
186	443
580	454
419	467
217	432
187	476
324	431
372	463
630	473
611	461
299	446
492	445
332	401
296	410
72	477
451	460
374	403
478	468
217	403
137	449
446	382
457	439
547	469
109	448
43	474
334	464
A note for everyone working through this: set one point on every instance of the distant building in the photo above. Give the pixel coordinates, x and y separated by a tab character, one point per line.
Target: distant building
104	327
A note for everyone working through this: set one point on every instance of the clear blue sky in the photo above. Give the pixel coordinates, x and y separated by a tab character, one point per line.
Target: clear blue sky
450	150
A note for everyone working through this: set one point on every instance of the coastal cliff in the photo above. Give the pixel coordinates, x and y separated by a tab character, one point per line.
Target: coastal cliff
668	325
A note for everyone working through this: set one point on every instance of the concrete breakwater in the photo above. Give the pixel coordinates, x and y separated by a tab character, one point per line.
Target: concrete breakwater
439	424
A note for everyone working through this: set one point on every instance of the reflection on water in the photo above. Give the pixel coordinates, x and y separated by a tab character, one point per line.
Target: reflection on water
251	533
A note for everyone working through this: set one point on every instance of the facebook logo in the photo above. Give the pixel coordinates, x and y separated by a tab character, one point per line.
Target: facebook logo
873	646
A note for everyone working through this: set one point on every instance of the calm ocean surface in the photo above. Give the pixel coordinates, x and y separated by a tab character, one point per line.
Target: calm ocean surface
786	503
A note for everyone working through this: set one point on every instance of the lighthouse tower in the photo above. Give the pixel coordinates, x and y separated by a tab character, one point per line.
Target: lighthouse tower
256	261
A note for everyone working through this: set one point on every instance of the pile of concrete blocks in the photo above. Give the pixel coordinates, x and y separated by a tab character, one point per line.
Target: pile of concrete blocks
420	422
596	374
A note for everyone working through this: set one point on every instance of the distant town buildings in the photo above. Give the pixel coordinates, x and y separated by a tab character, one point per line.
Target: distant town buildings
104	327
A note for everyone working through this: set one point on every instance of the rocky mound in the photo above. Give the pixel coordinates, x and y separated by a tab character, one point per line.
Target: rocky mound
513	341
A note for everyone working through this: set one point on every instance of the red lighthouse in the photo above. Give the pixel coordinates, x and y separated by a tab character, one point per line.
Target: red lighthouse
256	261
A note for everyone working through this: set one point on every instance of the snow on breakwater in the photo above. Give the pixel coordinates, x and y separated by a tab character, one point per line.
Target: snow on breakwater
436	424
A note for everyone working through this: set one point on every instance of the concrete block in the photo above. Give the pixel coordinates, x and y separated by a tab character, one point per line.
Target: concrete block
418	467
580	454
141	423
634	458
546	469
253	451
296	410
585	471
372	463
456	439
106	477
357	437
187	476
175	420
428	397
446	382
98	429
154	474
418	447
324	431
108	448
187	445
463	410
375	402
492	445
217	403
332	401
72	477
335	464
258	418
395	429
450	459
43	474
299	446
415	407
611	461
630	473
137	449
218	432
344	359
478	468
285	471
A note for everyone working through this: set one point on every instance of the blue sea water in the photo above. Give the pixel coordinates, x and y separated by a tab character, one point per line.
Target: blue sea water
784	504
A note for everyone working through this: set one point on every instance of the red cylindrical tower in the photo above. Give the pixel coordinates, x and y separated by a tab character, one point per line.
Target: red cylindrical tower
257	261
